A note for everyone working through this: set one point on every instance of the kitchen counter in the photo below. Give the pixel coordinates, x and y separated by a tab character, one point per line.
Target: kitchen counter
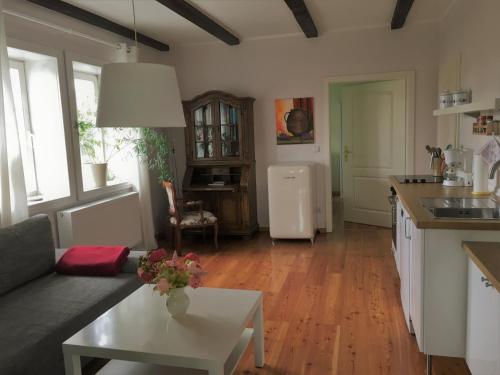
410	194
486	256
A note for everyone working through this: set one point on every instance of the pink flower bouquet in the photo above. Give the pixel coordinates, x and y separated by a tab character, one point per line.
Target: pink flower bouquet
177	272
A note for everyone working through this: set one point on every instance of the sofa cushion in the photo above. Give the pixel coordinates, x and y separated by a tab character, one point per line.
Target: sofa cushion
37	318
26	252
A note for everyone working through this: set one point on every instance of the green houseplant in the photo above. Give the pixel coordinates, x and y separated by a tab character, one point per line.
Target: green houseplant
91	142
97	148
153	148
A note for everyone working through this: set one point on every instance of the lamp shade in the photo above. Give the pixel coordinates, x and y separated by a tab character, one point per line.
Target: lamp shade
139	95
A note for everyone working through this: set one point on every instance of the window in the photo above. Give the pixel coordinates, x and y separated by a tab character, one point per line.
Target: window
63	160
38	108
18	80
104	160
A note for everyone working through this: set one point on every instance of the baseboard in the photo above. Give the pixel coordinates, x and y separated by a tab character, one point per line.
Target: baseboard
266	229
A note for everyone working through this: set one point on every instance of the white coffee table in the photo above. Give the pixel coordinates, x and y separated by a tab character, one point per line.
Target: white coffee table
140	337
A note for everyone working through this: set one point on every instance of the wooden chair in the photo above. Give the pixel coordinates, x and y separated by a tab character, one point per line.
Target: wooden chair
195	217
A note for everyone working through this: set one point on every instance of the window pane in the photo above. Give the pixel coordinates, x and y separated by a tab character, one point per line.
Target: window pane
39	114
41	75
24	134
103	151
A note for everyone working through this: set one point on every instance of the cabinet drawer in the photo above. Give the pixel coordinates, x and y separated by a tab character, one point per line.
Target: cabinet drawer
229	210
483	324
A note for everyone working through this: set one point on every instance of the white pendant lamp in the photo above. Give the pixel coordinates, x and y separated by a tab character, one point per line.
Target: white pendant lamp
139	95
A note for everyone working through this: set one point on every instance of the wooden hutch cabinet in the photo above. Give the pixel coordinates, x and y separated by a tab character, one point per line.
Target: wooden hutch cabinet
221	159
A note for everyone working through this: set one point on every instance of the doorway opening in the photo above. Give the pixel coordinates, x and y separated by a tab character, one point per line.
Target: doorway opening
370	138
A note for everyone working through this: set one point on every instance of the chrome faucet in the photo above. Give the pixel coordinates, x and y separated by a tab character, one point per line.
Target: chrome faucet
493	169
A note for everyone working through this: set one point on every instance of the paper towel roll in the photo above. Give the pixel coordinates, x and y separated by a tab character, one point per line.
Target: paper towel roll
480	175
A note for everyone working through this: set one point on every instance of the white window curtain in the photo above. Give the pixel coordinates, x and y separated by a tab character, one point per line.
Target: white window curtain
143	186
13	199
141	179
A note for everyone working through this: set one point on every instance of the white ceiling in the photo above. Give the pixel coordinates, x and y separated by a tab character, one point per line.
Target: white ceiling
250	19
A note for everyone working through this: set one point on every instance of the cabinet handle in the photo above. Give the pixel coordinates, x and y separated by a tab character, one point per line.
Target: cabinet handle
408	237
486	282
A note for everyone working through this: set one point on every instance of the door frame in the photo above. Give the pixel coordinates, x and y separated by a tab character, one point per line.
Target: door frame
409	78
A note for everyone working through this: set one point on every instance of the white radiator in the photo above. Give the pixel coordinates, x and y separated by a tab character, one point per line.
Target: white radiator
111	221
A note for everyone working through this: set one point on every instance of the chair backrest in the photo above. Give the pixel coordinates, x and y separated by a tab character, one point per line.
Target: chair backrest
173	210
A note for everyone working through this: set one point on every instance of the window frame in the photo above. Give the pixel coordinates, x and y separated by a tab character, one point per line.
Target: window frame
96	193
68	106
45	206
19	65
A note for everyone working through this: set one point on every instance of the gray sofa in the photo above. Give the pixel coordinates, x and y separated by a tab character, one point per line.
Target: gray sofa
40	309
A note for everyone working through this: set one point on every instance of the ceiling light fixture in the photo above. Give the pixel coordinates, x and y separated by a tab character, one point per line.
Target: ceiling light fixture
139	95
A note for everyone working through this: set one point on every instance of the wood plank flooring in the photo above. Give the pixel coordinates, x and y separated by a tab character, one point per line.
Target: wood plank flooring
333	308
330	309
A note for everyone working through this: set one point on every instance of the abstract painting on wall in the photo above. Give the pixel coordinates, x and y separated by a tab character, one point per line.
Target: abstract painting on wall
294	121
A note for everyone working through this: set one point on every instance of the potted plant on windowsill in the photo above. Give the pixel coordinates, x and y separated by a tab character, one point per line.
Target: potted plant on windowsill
96	151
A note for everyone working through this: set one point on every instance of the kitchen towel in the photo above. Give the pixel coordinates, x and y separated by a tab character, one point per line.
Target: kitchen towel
490	152
479	175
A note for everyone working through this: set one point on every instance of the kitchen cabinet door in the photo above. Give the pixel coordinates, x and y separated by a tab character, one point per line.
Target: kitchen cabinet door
483	325
416	282
405	264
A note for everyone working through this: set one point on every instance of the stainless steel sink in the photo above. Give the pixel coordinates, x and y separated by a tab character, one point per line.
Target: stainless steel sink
462	208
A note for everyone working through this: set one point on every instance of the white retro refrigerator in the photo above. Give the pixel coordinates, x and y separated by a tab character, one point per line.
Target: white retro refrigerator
292	200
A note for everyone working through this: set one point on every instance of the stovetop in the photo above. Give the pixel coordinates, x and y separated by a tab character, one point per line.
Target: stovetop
419	179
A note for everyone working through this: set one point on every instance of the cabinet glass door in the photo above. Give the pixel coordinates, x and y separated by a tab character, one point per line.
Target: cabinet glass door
203	132
229	130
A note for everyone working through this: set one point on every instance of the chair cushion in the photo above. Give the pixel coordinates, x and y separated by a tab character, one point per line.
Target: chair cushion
26	252
194	218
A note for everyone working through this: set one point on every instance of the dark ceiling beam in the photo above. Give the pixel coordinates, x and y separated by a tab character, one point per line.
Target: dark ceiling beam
304	19
98	21
189	12
400	13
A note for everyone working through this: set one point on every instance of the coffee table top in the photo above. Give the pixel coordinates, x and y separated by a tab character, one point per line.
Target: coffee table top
140	325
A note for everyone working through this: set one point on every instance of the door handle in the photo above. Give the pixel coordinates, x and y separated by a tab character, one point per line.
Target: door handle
346	154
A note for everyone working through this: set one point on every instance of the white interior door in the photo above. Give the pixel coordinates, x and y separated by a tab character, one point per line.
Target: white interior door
373	148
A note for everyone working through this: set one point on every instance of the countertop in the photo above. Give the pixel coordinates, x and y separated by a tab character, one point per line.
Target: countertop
486	256
410	194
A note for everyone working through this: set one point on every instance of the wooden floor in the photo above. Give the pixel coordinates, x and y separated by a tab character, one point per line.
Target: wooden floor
333	308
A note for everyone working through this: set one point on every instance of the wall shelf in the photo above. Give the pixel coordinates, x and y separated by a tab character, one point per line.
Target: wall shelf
473	109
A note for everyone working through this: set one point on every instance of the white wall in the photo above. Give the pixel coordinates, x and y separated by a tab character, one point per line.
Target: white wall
471	28
296	67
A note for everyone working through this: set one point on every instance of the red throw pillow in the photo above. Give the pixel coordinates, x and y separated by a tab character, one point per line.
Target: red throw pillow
93	260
